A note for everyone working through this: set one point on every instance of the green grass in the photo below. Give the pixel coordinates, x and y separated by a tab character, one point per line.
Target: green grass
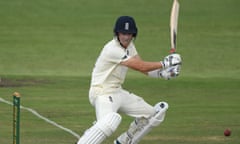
200	109
48	49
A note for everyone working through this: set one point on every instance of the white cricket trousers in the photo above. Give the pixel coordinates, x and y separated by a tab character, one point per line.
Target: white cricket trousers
119	100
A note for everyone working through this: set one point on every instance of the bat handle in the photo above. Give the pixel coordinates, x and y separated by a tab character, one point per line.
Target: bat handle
172	50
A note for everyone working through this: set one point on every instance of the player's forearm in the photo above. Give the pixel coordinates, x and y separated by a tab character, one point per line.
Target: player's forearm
138	64
145	67
142	66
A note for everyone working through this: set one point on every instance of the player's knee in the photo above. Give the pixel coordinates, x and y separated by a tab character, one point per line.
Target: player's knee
161	106
109	123
159	116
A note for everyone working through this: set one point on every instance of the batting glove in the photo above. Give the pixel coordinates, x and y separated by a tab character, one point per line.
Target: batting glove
170	72
171	60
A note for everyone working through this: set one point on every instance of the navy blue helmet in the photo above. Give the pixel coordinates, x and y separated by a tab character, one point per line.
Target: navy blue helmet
125	24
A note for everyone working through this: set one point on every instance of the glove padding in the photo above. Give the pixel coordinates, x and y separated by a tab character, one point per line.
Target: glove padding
171	60
168	73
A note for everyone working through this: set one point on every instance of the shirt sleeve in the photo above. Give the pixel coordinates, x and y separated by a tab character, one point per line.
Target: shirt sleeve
118	54
130	52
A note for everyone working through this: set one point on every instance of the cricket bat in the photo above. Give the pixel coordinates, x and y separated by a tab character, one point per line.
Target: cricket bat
173	25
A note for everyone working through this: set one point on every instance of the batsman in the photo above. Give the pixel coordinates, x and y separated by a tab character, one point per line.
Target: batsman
110	99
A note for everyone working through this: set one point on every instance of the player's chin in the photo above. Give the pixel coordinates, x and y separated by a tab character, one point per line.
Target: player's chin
125	43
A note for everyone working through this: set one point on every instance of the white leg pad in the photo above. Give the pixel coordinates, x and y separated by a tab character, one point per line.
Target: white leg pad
102	129
140	127
154	121
92	136
159	116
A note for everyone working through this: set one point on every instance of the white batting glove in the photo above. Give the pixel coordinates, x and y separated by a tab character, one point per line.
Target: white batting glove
170	72
167	73
171	60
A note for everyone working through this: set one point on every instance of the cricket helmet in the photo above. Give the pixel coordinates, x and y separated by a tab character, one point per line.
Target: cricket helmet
125	24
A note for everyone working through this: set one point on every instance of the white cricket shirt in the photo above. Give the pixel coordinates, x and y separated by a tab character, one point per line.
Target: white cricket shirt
108	73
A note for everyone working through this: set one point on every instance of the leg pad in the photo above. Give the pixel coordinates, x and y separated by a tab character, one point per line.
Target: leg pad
102	129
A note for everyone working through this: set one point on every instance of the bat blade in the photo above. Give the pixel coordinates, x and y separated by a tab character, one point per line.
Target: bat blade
173	25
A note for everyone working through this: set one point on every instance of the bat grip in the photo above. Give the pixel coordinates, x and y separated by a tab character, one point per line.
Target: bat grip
172	50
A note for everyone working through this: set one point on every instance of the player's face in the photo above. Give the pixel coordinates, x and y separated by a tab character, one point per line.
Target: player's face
125	39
